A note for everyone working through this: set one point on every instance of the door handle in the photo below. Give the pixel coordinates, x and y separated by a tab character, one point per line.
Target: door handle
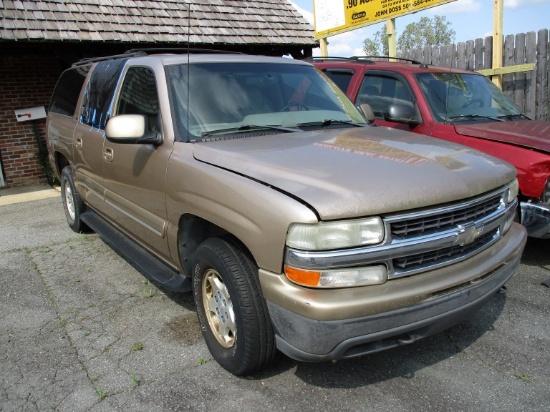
78	143
108	154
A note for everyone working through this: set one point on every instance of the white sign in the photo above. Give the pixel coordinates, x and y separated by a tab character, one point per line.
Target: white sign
32	113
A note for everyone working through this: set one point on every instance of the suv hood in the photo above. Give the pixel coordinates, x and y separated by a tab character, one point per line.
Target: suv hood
528	133
347	173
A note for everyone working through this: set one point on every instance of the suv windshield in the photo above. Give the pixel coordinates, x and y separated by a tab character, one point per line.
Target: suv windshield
227	98
456	97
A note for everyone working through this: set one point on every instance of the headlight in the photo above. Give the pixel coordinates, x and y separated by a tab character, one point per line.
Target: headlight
513	190
335	235
511	195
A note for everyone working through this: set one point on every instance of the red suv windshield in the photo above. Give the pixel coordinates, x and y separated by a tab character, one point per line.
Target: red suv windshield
454	97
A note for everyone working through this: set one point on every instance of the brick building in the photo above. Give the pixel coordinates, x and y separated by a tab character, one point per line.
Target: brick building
39	39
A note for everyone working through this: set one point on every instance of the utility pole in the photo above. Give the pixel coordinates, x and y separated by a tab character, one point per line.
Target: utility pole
498	12
390	31
323	45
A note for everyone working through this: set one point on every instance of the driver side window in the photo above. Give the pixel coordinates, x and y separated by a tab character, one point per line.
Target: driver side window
139	96
380	91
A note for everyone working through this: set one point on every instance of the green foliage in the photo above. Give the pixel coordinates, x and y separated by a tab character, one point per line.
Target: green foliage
101	393
136	380
525	377
378	45
425	32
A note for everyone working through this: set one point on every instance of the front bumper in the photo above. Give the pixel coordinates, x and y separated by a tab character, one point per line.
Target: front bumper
318	338
536	219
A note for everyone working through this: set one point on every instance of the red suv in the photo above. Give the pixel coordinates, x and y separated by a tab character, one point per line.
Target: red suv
456	105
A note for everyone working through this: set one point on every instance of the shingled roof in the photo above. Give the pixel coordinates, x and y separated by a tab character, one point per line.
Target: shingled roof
207	22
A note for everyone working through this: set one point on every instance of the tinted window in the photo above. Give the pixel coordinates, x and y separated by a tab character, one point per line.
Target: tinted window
139	96
380	91
212	97
67	91
341	78
460	97
98	95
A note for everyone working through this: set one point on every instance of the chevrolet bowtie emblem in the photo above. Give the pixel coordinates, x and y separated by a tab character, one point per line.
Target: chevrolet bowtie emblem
467	234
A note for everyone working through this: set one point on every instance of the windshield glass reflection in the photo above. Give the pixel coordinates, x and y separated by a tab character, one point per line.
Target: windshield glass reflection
456	97
226	98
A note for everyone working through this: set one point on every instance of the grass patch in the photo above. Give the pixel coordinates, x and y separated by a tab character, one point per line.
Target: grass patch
525	377
147	292
135	380
101	393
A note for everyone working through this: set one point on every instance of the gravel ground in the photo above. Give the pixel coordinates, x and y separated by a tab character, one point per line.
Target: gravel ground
81	330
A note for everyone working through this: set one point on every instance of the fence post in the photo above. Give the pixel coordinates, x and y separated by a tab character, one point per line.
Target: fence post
531	83
520	84
541	100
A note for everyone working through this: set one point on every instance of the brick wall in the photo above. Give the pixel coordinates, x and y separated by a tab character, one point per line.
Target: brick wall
25	81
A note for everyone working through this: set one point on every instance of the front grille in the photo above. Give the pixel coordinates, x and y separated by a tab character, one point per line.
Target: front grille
428	224
408	264
421	240
449	234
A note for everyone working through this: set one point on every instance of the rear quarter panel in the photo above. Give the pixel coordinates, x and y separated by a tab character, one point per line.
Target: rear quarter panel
60	134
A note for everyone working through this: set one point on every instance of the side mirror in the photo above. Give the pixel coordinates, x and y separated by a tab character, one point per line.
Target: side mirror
401	113
367	112
130	129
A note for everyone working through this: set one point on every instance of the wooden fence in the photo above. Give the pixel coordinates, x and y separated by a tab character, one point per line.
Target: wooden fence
529	90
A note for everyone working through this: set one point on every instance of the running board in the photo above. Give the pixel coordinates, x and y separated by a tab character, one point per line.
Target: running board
148	265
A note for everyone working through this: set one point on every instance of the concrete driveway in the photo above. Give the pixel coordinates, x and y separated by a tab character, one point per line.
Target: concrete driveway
81	330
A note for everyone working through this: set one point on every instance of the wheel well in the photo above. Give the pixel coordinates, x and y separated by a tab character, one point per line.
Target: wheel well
60	162
193	230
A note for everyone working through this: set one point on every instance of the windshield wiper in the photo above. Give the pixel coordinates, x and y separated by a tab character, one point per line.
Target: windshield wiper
514	116
475	116
328	122
248	127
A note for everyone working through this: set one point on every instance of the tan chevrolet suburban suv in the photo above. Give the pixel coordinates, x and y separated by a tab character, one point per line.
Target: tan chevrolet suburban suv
255	183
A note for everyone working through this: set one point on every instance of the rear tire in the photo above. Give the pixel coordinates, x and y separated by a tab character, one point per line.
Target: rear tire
231	309
72	203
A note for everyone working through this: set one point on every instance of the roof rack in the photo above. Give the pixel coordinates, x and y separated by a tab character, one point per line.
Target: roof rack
366	59
182	50
388	58
326	58
148	51
89	60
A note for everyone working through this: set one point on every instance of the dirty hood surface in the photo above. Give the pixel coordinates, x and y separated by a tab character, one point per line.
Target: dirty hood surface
344	173
534	134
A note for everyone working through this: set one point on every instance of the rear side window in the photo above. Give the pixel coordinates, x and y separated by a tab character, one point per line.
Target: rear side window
341	77
67	91
98	95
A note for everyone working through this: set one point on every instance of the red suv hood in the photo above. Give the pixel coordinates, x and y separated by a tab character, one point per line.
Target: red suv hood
534	134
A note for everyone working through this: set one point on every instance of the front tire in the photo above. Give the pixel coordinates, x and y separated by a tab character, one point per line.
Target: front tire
72	203
231	309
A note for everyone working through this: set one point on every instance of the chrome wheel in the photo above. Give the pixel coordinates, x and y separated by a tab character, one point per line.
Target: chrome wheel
73	206
219	309
69	200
